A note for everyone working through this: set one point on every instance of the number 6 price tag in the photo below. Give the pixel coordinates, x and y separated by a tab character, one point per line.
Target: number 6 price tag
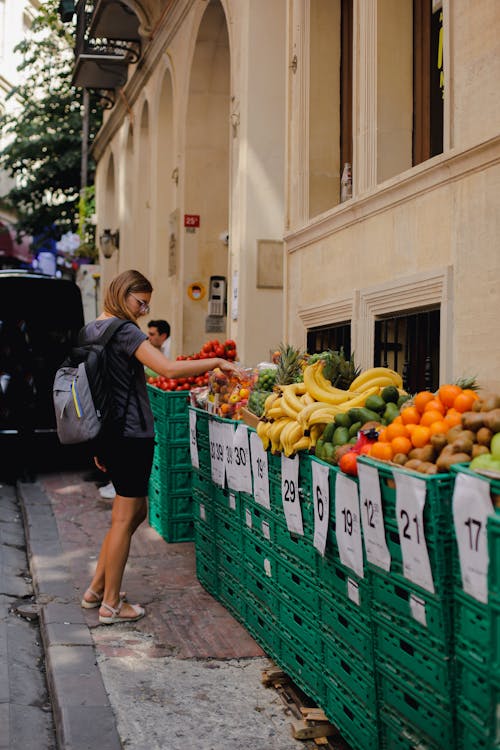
260	471
471	507
290	494
347	524
410	502
377	551
216	453
321	501
193	444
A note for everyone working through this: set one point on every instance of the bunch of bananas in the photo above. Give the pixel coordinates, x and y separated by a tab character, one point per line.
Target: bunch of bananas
295	415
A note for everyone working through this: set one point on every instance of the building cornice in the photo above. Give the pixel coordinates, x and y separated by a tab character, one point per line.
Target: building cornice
430	175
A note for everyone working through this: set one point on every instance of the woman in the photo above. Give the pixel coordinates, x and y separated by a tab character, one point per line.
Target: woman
126	450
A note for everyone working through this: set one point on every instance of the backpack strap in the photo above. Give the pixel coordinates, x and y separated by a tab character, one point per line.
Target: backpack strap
106	335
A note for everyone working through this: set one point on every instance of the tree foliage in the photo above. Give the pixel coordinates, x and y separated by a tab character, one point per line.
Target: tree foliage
44	132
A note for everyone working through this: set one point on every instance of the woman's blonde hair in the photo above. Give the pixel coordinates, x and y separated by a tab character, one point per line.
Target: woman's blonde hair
118	290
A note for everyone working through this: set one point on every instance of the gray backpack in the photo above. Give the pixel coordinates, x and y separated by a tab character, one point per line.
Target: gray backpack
82	399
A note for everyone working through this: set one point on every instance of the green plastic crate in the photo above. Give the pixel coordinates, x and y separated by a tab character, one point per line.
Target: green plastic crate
202	485
471	734
228	529
204	542
299	621
345	625
259	523
473	686
172	454
228	560
493	530
230	594
263	626
349	716
296	548
343	583
260	588
419	707
203	512
259	555
171	506
171	480
302	664
472	628
412	657
167	403
173	530
357	677
397	733
206	572
294	580
202	420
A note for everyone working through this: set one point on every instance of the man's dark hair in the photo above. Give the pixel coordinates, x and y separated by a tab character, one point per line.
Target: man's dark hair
161	325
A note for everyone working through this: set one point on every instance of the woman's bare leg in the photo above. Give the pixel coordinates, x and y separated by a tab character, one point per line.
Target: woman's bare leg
127	514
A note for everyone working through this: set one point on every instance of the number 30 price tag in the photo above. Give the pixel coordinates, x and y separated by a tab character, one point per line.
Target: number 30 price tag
347	524
410	503
241	452
321	501
290	494
471	507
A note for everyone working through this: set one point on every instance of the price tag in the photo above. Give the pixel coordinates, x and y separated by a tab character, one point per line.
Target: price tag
248	517
321	502
227	432
260	471
203	513
290	494
267	566
353	591
372	519
232	501
417	609
266	530
217	462
348	524
410	503
471	507
193	443
242	463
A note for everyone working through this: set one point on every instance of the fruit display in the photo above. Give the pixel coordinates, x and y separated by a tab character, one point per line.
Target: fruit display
435	431
295	415
266	381
213	348
229	392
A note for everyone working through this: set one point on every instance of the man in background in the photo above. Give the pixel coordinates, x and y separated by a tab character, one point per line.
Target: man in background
159	335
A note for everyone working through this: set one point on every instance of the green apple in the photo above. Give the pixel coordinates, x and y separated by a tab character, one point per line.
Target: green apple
495	445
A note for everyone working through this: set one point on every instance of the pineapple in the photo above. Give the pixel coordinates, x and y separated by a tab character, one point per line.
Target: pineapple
289	368
466	383
339	370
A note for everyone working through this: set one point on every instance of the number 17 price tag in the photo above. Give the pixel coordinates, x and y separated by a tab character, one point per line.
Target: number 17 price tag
471	507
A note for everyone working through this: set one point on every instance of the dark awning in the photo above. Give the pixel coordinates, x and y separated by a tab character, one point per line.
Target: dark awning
10	247
112	19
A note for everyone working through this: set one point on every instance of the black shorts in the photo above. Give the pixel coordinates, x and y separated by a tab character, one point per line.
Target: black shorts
128	463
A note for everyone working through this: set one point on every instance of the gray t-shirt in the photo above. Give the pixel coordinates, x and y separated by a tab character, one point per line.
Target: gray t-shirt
122	365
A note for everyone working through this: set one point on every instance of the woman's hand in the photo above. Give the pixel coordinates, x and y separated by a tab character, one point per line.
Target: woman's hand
227	366
99	465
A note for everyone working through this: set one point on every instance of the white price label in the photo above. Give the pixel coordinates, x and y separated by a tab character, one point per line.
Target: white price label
372	518
248	517
217	462
260	471
203	513
348	524
321	502
267	566
266	530
242	463
353	591
471	507
232	501
193	443
290	494
410	502
227	432
417	609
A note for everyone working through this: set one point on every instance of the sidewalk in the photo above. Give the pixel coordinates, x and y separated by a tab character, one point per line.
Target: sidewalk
188	675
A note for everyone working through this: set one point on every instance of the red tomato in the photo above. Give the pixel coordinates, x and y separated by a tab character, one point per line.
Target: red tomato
230	344
349	463
219	351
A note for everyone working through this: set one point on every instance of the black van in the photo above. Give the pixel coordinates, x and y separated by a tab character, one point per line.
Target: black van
40	317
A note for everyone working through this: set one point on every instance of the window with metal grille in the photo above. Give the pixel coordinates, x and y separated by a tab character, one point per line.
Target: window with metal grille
409	344
329	337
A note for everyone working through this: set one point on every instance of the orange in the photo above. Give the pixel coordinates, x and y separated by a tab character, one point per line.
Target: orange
398	420
448	393
463	402
382	451
472	393
453	417
435	405
439	428
382	435
401	445
410	415
395	430
429	417
421	399
420	436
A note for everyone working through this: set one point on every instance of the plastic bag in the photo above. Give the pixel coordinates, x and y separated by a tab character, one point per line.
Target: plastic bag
230	393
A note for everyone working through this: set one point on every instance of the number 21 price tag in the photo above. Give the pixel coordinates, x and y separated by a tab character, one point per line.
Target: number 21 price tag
471	507
321	502
410	503
290	494
347	524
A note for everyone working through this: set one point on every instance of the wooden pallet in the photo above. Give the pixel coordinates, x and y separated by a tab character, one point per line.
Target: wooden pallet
310	723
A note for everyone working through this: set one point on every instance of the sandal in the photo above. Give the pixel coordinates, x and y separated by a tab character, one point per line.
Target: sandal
115	617
98	599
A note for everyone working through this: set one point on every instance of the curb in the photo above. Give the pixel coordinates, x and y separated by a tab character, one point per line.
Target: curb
83	716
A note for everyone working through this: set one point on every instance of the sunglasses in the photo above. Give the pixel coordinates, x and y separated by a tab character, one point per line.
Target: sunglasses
143	306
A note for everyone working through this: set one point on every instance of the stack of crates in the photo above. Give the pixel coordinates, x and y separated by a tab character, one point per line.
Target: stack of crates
170	500
348	662
477	646
413	628
204	508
